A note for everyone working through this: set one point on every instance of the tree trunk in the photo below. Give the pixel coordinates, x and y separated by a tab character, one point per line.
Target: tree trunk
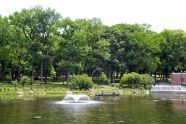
41	73
130	68
155	77
111	75
45	71
2	70
67	76
121	74
18	73
117	73
160	76
19	69
32	73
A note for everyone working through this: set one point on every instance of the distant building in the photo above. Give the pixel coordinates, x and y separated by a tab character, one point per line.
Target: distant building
178	84
178	78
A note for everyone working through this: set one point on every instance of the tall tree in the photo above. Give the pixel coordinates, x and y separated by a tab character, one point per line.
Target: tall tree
172	52
46	22
73	48
5	49
37	26
100	52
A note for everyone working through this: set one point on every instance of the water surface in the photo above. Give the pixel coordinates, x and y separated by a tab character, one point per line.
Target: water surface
152	109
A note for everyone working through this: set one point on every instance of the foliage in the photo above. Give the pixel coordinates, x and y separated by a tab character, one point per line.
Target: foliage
53	73
172	54
103	78
25	80
132	80
40	42
135	80
147	81
82	82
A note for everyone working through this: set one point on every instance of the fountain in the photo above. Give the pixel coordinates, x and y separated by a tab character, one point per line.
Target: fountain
77	99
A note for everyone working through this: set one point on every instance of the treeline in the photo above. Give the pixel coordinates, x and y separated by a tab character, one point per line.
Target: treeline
40	43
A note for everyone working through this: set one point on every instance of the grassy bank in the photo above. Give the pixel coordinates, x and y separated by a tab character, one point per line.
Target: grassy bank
52	89
122	91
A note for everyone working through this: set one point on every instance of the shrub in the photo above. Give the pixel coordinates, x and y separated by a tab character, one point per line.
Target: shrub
53	73
81	82
103	78
132	80
147	81
25	80
135	80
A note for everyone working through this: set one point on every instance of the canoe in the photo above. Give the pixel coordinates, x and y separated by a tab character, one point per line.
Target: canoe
107	94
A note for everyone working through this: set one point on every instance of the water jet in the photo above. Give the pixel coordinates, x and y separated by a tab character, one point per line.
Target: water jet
77	99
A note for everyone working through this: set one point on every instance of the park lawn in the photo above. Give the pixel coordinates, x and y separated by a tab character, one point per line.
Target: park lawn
54	89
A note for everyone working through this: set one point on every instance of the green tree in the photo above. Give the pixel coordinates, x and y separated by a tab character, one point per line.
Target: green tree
37	26
73	48
26	23
172	52
47	19
100	52
6	53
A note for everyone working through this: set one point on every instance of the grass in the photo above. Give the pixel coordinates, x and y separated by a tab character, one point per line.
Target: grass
52	89
128	91
122	91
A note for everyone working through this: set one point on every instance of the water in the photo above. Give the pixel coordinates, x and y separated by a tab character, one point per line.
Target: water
153	109
76	100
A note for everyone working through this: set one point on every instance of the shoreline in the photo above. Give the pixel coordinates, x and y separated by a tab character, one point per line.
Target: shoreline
57	92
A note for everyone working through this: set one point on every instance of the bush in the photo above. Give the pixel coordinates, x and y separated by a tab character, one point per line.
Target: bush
147	81
82	82
132	80
25	80
135	80
53	73
103	78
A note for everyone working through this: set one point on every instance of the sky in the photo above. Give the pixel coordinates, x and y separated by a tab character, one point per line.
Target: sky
160	14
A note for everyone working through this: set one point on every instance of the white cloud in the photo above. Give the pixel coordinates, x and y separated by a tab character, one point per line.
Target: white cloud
159	13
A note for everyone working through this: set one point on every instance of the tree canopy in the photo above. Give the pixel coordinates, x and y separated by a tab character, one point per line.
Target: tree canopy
38	42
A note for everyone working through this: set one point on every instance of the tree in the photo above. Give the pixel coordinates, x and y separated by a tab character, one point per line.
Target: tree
73	48
5	47
26	23
172	52
99	52
37	26
46	22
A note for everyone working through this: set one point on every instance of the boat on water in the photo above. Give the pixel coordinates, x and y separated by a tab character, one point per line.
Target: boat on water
113	94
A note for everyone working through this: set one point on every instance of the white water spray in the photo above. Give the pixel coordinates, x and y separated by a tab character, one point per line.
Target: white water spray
77	99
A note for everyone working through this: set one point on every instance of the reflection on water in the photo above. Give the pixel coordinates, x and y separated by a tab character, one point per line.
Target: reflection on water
77	110
168	96
178	100
154	109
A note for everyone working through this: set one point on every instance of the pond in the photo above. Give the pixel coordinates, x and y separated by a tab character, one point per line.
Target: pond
132	109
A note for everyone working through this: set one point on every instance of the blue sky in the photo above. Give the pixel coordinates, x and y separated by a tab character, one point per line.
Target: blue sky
161	14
